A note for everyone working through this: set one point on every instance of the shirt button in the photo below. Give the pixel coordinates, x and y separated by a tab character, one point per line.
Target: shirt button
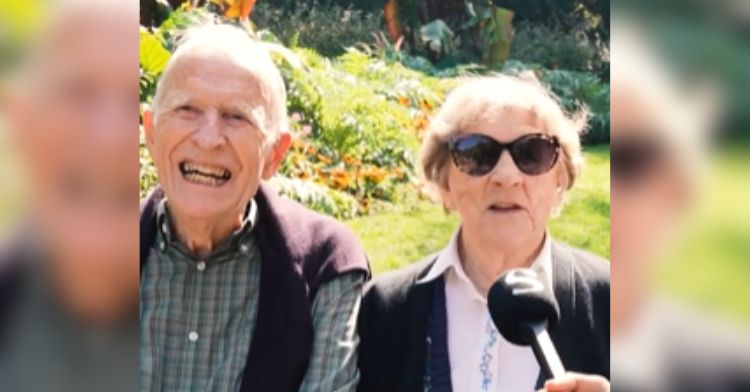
244	249
201	266
193	336
161	245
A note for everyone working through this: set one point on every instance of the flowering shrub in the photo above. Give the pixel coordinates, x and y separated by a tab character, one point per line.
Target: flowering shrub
356	122
356	119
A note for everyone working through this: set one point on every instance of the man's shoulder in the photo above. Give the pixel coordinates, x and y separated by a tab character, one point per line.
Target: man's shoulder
324	246
318	228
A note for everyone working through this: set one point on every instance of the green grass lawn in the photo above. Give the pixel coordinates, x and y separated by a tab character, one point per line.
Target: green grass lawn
395	239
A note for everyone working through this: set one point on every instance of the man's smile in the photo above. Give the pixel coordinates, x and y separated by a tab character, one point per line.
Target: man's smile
204	174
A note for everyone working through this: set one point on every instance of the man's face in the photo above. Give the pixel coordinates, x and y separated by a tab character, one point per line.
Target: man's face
209	152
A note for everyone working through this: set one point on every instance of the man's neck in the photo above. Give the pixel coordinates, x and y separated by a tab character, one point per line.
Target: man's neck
201	236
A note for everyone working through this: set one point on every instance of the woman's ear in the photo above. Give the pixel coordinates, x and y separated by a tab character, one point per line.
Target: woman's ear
277	153
446	197
563	180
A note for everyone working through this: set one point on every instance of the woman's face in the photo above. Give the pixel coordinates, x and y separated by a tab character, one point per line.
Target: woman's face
648	201
505	207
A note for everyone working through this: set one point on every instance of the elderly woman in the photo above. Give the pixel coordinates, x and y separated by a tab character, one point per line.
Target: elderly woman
501	153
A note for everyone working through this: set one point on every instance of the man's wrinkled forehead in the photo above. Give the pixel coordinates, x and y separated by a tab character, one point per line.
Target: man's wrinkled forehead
213	79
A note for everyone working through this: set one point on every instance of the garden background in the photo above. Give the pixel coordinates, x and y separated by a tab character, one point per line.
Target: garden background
364	79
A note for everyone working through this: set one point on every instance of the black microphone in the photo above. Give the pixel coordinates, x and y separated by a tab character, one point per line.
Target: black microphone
522	308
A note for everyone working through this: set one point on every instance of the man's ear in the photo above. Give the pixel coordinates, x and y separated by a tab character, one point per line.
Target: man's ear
148	127
278	151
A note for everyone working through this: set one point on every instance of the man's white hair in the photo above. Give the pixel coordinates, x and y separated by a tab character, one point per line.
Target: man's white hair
233	44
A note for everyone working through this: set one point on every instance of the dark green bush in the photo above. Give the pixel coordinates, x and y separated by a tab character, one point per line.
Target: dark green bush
552	47
327	30
578	88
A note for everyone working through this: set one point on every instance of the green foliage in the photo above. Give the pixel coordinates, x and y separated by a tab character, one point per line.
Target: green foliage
578	88
553	47
437	37
358	121
318	197
328	30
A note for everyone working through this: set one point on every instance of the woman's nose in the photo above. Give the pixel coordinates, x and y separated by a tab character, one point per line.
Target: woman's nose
506	173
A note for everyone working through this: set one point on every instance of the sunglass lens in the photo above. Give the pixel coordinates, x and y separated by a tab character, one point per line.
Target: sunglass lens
535	154
475	155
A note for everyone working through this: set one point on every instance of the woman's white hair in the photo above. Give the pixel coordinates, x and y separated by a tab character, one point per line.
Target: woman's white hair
235	45
481	98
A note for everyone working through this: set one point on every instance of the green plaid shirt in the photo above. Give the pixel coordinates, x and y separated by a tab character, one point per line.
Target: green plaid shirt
198	317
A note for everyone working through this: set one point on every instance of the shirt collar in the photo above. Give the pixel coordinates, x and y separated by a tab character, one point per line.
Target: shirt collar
163	220
448	260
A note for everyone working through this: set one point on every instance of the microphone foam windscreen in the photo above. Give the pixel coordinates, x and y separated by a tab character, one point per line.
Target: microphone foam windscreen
518	298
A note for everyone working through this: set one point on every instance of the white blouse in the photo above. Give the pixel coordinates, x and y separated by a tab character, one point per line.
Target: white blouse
480	358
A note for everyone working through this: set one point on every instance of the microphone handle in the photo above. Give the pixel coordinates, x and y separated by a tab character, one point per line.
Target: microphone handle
544	350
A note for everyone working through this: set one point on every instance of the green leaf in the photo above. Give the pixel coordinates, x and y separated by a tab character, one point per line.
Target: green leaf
437	36
153	55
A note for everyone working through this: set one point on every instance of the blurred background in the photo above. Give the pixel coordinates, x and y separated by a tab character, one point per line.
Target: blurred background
680	135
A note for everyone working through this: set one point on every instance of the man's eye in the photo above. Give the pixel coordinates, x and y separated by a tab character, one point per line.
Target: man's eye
187	109
234	117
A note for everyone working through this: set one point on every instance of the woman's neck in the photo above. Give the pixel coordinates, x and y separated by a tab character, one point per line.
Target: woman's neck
484	264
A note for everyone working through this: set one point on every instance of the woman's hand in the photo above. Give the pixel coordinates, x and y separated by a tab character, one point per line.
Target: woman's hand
576	382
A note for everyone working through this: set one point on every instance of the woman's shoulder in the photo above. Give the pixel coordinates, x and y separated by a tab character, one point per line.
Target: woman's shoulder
396	284
581	261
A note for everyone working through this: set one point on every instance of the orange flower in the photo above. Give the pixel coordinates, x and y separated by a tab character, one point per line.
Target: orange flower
375	175
403	101
303	175
324	159
350	160
426	106
421	122
238	9
340	179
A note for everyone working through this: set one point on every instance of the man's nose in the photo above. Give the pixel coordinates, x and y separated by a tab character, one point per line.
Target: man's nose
506	173
209	135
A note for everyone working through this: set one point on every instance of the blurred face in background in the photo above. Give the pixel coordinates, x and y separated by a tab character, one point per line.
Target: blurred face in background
75	117
648	195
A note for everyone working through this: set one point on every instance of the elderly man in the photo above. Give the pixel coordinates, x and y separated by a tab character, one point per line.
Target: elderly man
241	289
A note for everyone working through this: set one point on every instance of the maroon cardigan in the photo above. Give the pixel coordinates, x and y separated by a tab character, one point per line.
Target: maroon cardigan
301	250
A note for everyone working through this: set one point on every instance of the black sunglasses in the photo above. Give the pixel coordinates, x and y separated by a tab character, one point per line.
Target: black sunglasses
476	154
